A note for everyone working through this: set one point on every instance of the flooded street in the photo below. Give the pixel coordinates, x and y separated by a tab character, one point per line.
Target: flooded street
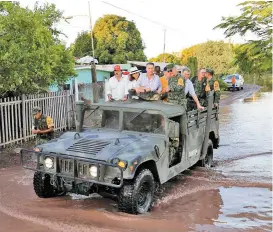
235	195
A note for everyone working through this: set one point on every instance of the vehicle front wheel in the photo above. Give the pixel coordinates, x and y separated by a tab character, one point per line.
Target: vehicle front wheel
42	186
136	197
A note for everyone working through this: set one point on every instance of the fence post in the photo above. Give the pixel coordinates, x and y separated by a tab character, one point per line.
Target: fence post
67	109
24	117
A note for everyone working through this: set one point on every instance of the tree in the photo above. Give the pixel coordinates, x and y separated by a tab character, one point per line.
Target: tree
82	45
117	40
193	65
256	18
169	58
212	54
32	57
186	53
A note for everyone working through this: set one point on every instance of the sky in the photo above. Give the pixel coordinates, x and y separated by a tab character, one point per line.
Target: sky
188	22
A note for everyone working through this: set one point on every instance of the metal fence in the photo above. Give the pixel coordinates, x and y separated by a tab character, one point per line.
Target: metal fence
16	118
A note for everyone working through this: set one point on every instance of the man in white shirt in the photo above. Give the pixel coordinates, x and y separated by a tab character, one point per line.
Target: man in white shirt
189	89
148	82
117	86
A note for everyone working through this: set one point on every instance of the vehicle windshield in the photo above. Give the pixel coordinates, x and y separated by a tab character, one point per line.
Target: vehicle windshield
101	119
144	122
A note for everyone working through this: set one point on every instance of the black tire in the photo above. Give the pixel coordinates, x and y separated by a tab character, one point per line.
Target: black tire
42	186
136	197
207	161
216	142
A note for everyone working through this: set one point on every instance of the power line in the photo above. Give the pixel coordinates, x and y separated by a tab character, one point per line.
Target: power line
138	15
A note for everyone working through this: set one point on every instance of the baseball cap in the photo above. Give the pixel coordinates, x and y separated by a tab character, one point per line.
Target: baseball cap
209	70
117	68
170	66
35	110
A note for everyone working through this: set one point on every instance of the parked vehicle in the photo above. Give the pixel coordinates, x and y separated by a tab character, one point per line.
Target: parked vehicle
239	81
124	149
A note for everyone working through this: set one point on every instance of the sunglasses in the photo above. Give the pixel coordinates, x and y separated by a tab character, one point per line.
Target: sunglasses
170	71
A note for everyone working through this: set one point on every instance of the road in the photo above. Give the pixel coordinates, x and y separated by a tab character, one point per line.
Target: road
236	195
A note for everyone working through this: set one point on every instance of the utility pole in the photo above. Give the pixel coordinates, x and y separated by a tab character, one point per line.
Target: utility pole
164	45
93	65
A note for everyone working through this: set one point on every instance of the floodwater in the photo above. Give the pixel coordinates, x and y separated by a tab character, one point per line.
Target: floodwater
236	195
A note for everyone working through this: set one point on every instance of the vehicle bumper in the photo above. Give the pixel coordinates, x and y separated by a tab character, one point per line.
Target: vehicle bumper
32	160
229	85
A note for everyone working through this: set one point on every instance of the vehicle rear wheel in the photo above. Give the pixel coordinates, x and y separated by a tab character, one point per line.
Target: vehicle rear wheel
207	161
42	186
136	197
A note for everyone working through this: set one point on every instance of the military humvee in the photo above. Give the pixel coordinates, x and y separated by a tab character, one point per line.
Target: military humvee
124	149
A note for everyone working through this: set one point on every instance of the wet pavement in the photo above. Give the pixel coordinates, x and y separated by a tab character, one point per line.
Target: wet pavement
235	195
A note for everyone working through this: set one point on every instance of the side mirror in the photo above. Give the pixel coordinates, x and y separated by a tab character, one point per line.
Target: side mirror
173	129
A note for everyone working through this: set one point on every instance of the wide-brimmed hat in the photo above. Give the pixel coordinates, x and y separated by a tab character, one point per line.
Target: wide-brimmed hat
134	70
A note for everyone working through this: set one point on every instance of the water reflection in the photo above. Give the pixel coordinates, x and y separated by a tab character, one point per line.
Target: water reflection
246	208
246	128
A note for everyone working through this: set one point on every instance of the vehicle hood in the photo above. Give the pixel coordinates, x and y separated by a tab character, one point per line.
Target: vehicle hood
103	144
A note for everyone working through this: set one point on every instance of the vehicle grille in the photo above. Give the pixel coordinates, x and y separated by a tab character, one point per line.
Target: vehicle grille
66	165
83	169
89	146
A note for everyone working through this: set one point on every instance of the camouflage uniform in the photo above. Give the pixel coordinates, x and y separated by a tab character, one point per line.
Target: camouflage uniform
43	123
200	90
177	91
213	84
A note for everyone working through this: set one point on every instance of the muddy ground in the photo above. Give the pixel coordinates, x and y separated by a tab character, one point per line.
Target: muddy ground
235	195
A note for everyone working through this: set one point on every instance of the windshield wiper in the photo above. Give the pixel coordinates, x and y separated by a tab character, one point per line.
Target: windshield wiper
137	115
92	112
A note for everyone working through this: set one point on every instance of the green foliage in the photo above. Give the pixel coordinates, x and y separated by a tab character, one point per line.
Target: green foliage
186	53
117	40
169	58
212	54
31	55
222	84
256	19
82	45
193	65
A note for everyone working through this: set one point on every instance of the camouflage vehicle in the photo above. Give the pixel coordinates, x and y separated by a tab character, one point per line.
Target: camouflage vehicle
124	149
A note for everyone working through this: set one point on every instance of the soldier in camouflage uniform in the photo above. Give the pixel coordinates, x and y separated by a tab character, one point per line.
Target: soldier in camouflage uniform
200	85
176	88
42	126
212	84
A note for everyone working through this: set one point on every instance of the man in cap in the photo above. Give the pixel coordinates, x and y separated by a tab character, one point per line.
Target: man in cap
212	84
42	126
117	86
176	88
200	85
180	87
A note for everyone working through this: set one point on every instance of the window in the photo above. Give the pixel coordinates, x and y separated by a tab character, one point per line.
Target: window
144	122
101	119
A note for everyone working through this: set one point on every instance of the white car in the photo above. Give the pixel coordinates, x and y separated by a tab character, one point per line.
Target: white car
239	81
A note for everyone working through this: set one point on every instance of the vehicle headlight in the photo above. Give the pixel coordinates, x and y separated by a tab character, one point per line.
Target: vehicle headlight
49	162
93	171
